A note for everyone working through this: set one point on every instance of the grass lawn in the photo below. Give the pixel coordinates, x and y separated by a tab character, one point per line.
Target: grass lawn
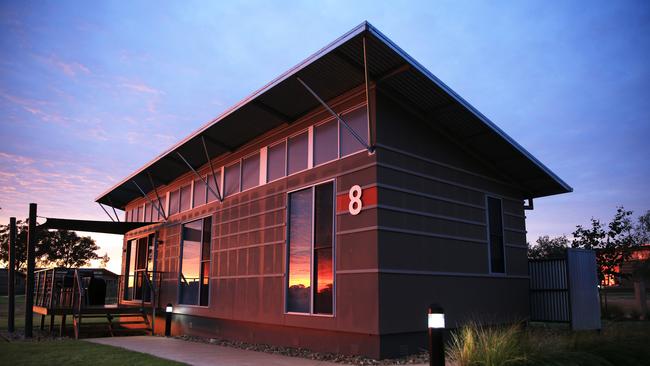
62	352
618	343
72	353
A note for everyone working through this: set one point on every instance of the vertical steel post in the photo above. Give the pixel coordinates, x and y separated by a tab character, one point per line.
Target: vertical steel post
436	342
31	263
11	280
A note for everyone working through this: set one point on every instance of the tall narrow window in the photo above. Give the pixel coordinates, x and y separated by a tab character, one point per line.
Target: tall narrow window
174	199
495	232
297	153
199	193
129	281
326	144
147	212
213	181
311	250
194	283
250	172
161	207
358	122
231	180
185	197
276	166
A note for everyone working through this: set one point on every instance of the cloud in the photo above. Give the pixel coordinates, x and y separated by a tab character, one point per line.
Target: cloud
141	88
71	69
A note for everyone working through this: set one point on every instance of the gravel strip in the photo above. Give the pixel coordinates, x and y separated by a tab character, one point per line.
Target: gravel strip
311	355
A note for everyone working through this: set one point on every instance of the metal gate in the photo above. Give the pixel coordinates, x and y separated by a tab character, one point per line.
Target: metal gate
565	290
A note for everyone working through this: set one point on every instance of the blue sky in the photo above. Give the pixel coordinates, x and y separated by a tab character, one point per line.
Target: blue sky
90	91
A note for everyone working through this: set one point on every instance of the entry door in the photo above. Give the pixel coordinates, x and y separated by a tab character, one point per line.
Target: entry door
139	257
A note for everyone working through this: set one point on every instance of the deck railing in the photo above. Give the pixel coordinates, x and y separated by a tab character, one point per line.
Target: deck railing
53	288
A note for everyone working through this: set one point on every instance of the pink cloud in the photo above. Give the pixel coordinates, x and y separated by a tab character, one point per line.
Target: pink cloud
71	69
141	88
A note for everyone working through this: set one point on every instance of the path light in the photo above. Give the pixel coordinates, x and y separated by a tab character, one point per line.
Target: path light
436	325
169	309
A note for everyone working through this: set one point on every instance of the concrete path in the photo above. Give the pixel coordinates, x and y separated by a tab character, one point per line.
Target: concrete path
200	354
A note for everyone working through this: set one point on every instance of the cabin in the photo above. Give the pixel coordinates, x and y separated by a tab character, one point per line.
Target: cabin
331	207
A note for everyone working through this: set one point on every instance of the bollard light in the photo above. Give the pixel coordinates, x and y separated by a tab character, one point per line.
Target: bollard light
168	320
436	325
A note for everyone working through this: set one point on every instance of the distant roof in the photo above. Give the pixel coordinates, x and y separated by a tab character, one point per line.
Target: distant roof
333	70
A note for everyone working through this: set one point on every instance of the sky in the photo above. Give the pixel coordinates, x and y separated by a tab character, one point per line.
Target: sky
91	91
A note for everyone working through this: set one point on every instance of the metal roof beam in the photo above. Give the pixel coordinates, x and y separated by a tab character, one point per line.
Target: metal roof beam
198	175
220	144
214	176
329	109
149	199
109	216
393	72
155	190
272	111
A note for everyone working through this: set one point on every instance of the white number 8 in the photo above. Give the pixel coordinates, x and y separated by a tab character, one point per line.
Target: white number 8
355	200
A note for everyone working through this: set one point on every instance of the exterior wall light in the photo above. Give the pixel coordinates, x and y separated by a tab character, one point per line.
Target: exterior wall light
436	325
168	320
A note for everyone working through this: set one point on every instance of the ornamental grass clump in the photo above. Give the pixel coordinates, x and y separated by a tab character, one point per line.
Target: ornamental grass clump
476	345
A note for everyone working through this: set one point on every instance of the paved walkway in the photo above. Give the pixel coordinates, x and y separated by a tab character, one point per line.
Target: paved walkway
200	354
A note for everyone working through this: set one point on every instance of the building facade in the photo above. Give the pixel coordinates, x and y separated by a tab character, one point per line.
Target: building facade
331	207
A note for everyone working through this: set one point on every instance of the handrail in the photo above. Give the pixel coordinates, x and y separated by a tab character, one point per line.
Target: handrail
77	311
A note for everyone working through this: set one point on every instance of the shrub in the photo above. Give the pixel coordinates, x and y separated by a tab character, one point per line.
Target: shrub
474	345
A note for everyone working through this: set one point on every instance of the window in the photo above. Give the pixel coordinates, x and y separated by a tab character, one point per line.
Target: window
297	153
495	235
250	172
276	161
185	197
358	121
231	181
213	182
326	144
127	215
194	281
311	250
138	214
199	193
147	212
161	206
129	284
174	199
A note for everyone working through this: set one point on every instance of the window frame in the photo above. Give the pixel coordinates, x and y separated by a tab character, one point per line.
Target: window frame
286	151
223	179
241	170
338	141
503	236
286	156
350	110
180	264
312	188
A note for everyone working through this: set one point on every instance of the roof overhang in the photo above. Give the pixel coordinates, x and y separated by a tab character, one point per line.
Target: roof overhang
331	71
107	227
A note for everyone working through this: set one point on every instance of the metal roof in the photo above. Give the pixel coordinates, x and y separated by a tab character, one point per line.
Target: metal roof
331	71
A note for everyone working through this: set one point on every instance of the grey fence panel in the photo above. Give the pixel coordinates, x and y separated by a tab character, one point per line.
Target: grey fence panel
583	281
549	290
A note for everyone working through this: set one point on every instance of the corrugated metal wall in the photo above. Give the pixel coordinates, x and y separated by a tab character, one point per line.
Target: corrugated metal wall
565	290
549	290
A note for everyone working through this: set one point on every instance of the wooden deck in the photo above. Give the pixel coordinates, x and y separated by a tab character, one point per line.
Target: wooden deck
90	310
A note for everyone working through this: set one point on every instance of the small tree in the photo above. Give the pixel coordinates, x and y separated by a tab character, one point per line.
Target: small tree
103	260
611	243
69	250
547	247
42	246
59	247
